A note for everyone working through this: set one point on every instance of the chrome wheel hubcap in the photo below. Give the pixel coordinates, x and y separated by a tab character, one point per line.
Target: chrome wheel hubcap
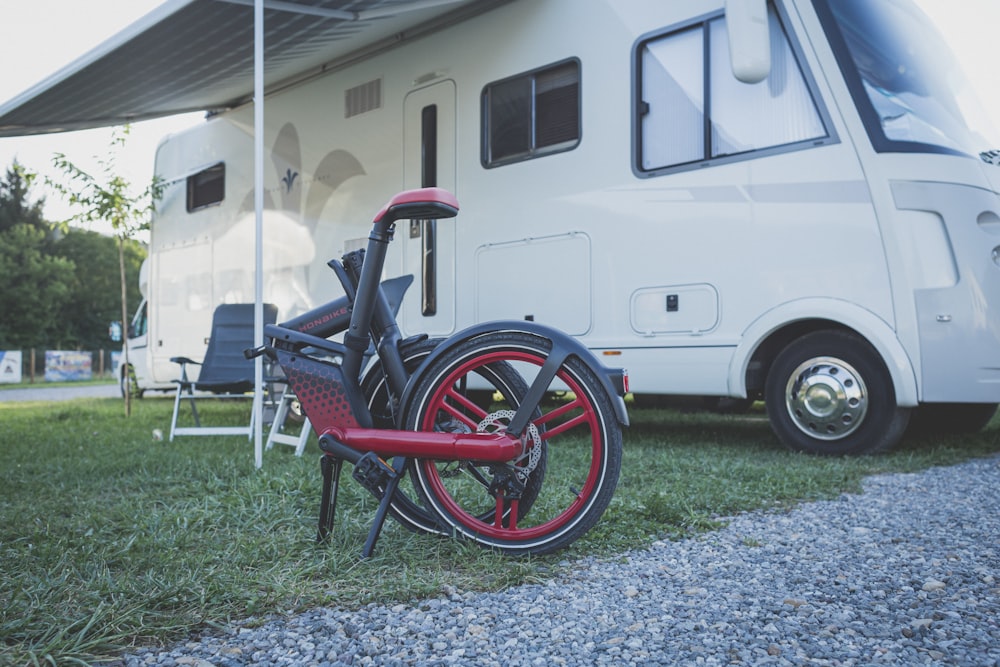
826	398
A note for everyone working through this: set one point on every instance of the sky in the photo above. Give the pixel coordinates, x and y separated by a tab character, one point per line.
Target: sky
39	37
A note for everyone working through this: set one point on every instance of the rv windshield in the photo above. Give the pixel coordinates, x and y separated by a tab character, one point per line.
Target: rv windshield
907	84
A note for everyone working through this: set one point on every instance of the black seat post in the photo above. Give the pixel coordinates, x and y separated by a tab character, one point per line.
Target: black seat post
358	335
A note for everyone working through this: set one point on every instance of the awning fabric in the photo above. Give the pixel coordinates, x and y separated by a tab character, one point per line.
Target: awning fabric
198	55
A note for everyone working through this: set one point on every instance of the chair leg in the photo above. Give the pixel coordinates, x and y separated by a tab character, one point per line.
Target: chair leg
276	433
278	422
300	446
177	404
194	408
253	416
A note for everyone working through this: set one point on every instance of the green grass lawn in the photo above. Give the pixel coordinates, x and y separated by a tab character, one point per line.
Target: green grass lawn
109	539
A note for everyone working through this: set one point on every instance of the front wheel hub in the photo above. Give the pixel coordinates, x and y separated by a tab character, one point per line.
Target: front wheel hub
826	398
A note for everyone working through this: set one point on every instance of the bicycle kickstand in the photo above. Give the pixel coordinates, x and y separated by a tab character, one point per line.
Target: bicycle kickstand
374	474
330	467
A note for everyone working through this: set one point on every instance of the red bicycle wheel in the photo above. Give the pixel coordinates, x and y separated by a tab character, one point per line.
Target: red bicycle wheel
559	487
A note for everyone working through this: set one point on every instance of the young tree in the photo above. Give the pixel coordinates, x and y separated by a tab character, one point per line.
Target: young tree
107	197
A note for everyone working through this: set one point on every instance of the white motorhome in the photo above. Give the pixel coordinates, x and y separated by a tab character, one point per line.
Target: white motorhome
809	223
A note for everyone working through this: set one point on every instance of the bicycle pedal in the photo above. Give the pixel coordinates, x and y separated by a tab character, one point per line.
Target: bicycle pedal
372	473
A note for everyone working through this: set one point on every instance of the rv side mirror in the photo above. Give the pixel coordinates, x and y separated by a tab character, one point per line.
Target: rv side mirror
115	332
749	41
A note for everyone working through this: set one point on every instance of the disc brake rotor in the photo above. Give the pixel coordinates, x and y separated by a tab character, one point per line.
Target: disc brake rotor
531	440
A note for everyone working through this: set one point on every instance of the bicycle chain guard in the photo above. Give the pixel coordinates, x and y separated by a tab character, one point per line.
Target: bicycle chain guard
321	390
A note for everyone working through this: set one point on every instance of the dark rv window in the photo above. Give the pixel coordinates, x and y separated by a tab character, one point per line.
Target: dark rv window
207	187
690	111
532	114
428	179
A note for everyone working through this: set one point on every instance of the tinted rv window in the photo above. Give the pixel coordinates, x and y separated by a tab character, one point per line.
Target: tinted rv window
691	110
532	114
907	84
207	187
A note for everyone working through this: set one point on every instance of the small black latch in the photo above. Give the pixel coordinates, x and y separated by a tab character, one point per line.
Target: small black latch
671	303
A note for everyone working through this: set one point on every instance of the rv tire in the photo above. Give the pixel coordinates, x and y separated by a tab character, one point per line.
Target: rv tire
828	392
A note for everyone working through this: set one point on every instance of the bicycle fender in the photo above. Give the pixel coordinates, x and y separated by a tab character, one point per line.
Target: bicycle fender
563	346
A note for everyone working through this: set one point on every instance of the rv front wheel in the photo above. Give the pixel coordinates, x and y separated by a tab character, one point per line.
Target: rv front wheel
828	392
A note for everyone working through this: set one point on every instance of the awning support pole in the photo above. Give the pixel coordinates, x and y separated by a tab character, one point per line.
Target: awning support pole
258	205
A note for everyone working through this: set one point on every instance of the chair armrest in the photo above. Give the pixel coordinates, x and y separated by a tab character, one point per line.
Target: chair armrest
184	360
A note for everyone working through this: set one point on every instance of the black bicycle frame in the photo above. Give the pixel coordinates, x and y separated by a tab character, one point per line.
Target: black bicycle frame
334	317
331	393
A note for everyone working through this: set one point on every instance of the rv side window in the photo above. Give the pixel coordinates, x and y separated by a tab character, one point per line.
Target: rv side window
139	322
532	114
207	187
691	110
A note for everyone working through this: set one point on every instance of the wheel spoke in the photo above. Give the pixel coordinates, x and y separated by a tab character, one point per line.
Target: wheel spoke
562	410
462	408
501	511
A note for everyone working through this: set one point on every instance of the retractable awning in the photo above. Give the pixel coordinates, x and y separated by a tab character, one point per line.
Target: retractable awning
213	55
198	55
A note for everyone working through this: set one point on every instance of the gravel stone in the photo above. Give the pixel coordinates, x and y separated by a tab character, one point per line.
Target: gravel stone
906	573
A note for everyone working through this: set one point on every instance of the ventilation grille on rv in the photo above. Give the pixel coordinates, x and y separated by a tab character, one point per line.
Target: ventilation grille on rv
365	97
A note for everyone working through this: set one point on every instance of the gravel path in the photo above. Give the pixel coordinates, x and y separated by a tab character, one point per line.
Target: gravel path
59	392
906	574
